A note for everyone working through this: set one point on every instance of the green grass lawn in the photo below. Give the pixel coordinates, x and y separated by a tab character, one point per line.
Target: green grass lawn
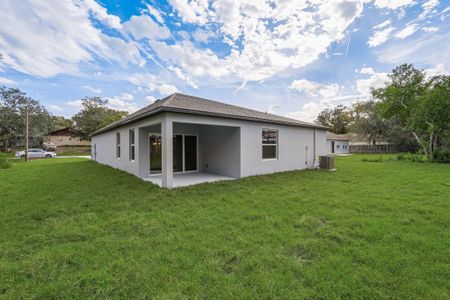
71	228
75	153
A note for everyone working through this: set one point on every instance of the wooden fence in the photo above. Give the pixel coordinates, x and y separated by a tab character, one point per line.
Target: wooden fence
381	148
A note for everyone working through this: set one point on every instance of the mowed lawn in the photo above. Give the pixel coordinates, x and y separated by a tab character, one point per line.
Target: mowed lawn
71	228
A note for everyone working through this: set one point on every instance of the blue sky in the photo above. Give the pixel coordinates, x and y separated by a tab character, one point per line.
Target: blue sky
292	58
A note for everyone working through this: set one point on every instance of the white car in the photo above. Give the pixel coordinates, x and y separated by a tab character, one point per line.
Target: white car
36	153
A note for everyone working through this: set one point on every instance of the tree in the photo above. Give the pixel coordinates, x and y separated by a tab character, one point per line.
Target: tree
337	119
433	113
93	116
420	105
368	122
12	111
59	122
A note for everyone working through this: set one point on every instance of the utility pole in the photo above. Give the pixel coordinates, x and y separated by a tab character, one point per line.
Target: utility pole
26	133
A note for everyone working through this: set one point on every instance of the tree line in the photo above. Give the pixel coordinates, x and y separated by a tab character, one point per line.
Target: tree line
412	108
94	114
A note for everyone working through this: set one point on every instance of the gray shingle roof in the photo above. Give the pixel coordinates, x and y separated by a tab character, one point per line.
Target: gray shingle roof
339	137
199	106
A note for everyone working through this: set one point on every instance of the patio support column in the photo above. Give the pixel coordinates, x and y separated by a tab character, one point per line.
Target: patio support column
167	151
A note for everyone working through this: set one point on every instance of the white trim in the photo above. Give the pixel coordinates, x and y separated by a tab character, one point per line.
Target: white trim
149	153
184	162
118	145
269	159
130	145
276	145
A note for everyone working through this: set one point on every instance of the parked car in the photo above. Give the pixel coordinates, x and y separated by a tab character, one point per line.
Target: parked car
36	153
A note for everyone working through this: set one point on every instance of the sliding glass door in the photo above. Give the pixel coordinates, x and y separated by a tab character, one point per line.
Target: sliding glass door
155	154
184	153
178	153
190	153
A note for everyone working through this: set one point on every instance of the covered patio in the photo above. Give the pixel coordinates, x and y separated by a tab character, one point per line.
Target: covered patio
173	153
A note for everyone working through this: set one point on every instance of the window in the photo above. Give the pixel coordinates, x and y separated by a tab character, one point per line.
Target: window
269	144
118	144
131	141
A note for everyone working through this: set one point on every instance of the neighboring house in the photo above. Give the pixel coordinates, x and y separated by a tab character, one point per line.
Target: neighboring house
182	140
338	143
62	138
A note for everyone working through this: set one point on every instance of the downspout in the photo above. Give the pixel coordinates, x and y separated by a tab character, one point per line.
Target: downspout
316	163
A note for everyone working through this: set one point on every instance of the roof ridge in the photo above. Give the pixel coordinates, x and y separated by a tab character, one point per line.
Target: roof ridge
246	108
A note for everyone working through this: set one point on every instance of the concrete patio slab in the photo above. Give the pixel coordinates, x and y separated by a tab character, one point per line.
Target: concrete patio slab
186	179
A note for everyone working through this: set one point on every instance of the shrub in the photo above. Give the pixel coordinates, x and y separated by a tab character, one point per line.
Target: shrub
442	156
412	157
4	162
380	159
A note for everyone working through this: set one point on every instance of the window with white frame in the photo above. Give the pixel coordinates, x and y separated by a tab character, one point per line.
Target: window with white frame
269	143
117	144
131	142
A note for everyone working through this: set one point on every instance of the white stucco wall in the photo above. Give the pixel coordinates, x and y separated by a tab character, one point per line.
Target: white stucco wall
235	151
220	148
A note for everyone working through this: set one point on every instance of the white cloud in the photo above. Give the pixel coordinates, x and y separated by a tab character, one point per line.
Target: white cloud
181	75
416	50
92	89
53	37
203	36
75	103
393	4
274	109
439	69
101	14
296	35
366	70
192	11
190	59
428	7
150	99
55	107
310	110
155	13
376	80
122	102
401	13
430	29
7	81
407	31
144	27
379	37
382	25
166	89
152	83
314	89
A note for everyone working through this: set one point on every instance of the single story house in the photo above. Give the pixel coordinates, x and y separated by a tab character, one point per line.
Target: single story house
182	140
338	143
62	138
